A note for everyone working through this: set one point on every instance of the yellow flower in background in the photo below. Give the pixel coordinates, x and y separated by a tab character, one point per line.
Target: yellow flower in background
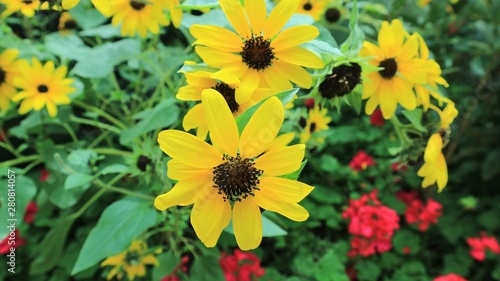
42	86
28	8
402	69
313	8
236	176
59	5
224	83
8	70
66	23
447	115
133	262
434	169
316	122
423	3
260	53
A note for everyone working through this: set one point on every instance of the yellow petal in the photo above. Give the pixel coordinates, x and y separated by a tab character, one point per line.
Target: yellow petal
175	13
210	215
217	58
285	190
442	172
409	49
281	141
68	4
292	211
256	11
300	56
372	104
179	171
188	93
405	95
433	148
184	192
294	36
220	121
279	16
52	109
249	83
216	37
103	7
247	224
188	149
281	161
388	99
262	128
294	73
226	77
236	16
391	37
194	118
276	79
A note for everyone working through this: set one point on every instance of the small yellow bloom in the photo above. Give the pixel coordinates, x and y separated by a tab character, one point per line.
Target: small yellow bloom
236	176
9	68
318	121
66	23
27	7
434	169
313	8
132	262
447	115
42	86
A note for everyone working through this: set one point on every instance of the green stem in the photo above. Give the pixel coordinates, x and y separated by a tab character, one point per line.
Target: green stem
101	113
401	132
87	204
95	124
128	192
70	131
20	160
112	151
31	165
9	148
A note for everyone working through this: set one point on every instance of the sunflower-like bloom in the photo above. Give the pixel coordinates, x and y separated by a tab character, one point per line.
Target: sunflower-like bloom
133	262
316	122
313	8
139	16
402	69
8	70
28	8
66	23
224	83
42	86
235	176
259	53
434	169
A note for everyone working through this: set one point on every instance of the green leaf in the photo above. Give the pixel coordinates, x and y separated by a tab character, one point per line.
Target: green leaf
330	268
206	268
120	223
104	31
163	115
356	36
113	169
405	238
355	100
490	166
367	270
68	46
415	117
284	97
78	179
167	262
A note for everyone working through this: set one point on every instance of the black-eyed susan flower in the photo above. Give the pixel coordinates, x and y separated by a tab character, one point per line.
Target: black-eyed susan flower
132	262
317	121
401	69
235	176
42	86
260	53
313	8
66	23
9	68
26	7
224	83
434	169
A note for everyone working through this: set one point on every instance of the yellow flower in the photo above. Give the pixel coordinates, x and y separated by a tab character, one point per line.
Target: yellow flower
224	83
66	23
313	8
423	3
42	86
8	70
132	261
402	69
318	121
135	16
235	176
58	5
434	169
27	7
259	53
447	115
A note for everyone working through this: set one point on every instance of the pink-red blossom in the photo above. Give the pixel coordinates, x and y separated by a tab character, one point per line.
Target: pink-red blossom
376	118
361	160
241	266
13	240
479	245
450	277
418	212
31	210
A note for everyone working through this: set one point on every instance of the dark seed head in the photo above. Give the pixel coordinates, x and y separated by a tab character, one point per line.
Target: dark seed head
136	5
342	81
3	76
42	89
307	6
312	128
228	94
332	15
143	162
195	12
302	122
257	53
390	68
70	24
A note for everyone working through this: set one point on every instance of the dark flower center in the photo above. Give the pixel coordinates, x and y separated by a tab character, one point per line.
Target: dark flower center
3	76
302	122
195	12
332	15
228	94
69	24
342	81
257	53
236	178
390	68
137	5
143	162
307	6
132	258
27	2
42	89
312	128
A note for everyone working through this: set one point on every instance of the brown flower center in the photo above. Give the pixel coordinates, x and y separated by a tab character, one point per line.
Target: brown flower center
69	24
237	178
228	94
342	81
307	6
137	5
257	53
332	15
390	68
42	89
3	76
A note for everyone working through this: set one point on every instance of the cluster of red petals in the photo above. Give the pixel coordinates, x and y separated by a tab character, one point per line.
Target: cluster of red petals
479	245
372	225
423	214
376	118
31	210
44	175
396	166
450	277
182	266
241	266
15	242
361	160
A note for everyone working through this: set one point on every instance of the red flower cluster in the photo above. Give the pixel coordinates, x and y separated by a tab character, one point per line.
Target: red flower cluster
450	277
182	266
372	225
376	118
360	161
479	245
419	212
241	266
15	241
31	210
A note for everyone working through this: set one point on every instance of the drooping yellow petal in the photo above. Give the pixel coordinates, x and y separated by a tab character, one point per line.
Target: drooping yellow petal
433	148
226	77
388	99
281	161
262	128
216	37
279	16
247	224
184	192
236	16
292	211
194	118
294	36
189	149
442	172
300	56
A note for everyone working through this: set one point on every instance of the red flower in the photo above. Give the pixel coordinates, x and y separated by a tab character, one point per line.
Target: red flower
13	240
450	277
396	166
406	250
479	246
31	210
241	266
372	225
44	174
182	266
361	160
376	118
309	103
418	212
